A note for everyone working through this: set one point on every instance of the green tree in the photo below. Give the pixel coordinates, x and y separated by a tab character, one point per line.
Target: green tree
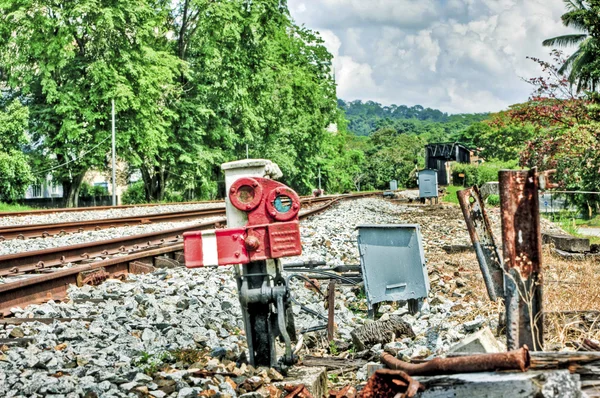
15	172
583	66
254	78
70	59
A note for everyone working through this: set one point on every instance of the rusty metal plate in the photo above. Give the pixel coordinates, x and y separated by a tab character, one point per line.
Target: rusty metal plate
480	231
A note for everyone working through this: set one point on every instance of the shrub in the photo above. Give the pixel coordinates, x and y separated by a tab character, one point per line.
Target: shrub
479	175
135	194
493	200
87	191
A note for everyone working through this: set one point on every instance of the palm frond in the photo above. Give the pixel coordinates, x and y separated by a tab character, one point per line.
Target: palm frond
575	19
567	65
583	81
565	40
573	5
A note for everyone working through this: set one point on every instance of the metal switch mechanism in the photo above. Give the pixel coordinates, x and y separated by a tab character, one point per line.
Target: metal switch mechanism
271	232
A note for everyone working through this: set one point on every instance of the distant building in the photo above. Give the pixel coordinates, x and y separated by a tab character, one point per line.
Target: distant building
44	189
440	156
49	189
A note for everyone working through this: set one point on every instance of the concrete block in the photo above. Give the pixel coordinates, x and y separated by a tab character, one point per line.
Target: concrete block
489	188
481	342
540	384
372	367
567	243
314	378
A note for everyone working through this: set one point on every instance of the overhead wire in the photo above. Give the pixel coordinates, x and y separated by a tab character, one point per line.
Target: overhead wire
73	160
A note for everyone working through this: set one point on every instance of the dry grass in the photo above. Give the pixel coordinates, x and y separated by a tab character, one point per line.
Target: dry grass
569	286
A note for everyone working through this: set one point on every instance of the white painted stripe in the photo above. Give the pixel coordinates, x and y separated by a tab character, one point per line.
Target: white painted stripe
209	248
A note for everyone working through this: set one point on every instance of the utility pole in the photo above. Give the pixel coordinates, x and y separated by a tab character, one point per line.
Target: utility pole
114	162
247	156
319	178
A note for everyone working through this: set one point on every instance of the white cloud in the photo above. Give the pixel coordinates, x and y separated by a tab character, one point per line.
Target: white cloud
455	55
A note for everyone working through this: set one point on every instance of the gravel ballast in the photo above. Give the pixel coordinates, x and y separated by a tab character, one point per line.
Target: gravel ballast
151	333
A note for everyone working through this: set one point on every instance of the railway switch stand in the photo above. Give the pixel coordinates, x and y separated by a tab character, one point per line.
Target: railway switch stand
262	220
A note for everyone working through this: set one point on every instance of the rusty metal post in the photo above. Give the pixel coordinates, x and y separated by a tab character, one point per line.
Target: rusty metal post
519	204
331	311
480	231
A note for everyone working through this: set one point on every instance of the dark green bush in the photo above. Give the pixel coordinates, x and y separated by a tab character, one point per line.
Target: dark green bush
134	194
479	174
493	200
87	190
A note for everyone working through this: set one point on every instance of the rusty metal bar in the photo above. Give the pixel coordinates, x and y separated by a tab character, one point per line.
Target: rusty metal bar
331	311
480	231
519	205
512	360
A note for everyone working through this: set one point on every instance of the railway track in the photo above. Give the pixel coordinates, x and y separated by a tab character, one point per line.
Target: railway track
99	208
39	276
54	229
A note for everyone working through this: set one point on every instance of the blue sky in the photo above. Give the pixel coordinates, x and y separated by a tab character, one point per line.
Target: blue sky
454	55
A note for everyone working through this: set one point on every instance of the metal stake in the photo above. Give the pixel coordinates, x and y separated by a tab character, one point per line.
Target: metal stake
519	204
114	167
481	234
331	310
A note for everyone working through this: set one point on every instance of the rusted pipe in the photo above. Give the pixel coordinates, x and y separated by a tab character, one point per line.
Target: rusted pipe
512	360
386	383
521	236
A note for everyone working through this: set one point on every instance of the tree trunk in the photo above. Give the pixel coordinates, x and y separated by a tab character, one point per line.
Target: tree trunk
71	189
155	179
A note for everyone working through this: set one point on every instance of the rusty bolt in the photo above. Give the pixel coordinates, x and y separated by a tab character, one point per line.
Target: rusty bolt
278	191
295	206
234	236
255	184
232	189
252	243
248	207
237	254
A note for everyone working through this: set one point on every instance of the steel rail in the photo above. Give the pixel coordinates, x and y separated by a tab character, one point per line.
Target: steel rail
17	263
39	260
99	208
52	284
44	230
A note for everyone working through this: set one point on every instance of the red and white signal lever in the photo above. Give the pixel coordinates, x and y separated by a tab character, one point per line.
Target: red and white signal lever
271	232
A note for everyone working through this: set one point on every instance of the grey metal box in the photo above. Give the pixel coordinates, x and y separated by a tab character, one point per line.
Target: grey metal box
393	263
394	185
428	183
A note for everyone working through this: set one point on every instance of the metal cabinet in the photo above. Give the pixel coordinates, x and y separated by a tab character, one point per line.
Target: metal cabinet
428	183
393	264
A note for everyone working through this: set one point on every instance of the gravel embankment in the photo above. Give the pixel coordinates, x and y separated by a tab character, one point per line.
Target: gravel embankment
77	216
149	333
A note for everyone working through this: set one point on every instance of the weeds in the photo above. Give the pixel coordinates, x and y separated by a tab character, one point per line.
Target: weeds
333	348
152	363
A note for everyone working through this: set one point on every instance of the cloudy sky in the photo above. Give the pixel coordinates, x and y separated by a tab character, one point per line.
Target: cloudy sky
453	55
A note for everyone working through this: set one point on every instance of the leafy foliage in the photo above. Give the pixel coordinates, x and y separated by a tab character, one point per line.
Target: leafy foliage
367	117
583	66
134	194
15	172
